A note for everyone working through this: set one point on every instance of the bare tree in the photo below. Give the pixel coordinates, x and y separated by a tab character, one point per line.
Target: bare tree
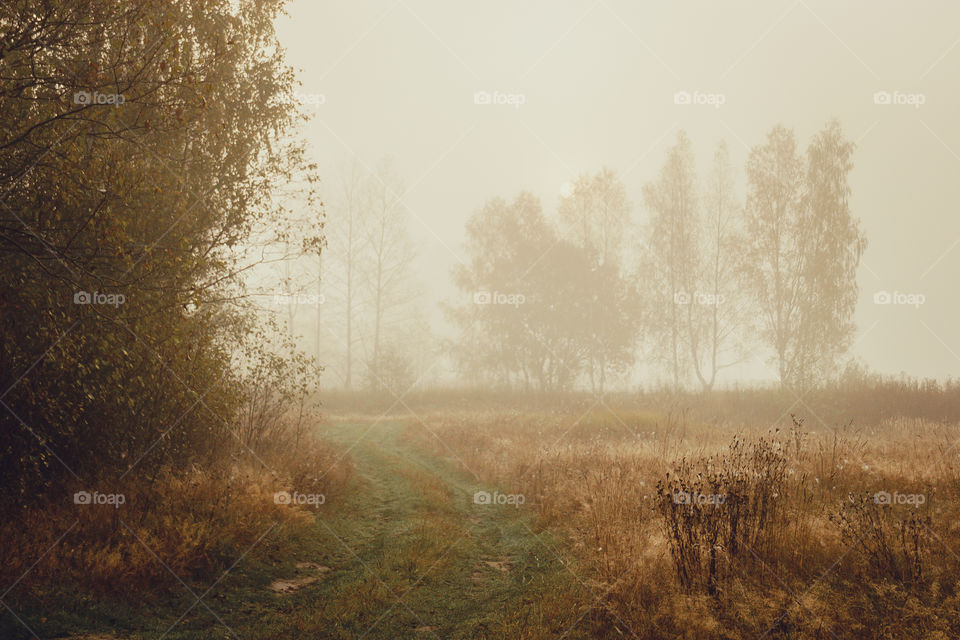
774	176
347	253
598	212
671	261
389	258
715	309
836	244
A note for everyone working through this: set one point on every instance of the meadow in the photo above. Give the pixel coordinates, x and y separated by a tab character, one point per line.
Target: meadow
696	527
483	514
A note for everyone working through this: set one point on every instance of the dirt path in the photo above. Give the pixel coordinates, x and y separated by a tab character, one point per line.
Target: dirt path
435	564
408	555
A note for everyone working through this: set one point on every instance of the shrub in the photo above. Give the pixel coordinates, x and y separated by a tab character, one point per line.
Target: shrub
719	508
893	544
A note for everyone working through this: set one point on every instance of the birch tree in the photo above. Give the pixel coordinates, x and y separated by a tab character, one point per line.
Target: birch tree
716	309
805	248
670	261
388	260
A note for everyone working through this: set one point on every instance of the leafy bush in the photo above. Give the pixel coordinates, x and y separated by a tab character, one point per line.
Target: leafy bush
125	228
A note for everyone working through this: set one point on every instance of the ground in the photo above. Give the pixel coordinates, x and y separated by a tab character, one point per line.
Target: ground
407	554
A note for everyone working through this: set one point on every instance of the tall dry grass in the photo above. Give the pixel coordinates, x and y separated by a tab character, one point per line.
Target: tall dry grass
172	525
799	547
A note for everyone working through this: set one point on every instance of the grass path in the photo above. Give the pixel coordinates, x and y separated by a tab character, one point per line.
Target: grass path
422	560
406	554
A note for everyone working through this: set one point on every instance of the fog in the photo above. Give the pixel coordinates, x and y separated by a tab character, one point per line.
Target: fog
420	319
596	85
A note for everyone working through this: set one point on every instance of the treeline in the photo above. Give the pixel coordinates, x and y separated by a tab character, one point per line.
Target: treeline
583	296
140	144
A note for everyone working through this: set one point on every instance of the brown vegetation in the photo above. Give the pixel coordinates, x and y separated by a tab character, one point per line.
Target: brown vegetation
802	545
173	525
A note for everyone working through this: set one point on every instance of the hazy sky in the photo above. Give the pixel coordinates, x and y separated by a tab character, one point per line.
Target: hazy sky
598	83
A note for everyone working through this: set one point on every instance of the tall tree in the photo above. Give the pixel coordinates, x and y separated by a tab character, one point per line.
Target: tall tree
805	248
346	255
779	243
671	259
140	148
524	322
389	258
716	308
836	246
597	214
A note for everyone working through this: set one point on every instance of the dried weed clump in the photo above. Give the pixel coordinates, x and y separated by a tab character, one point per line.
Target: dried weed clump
720	508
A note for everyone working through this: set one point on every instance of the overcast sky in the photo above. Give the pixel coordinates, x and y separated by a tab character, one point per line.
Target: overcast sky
598	81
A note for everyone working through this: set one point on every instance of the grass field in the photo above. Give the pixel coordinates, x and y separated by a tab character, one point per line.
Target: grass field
568	524
792	531
406	554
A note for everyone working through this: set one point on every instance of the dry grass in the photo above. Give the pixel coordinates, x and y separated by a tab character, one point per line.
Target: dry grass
195	523
798	549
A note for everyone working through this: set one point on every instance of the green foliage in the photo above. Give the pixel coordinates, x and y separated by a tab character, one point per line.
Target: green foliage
138	147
